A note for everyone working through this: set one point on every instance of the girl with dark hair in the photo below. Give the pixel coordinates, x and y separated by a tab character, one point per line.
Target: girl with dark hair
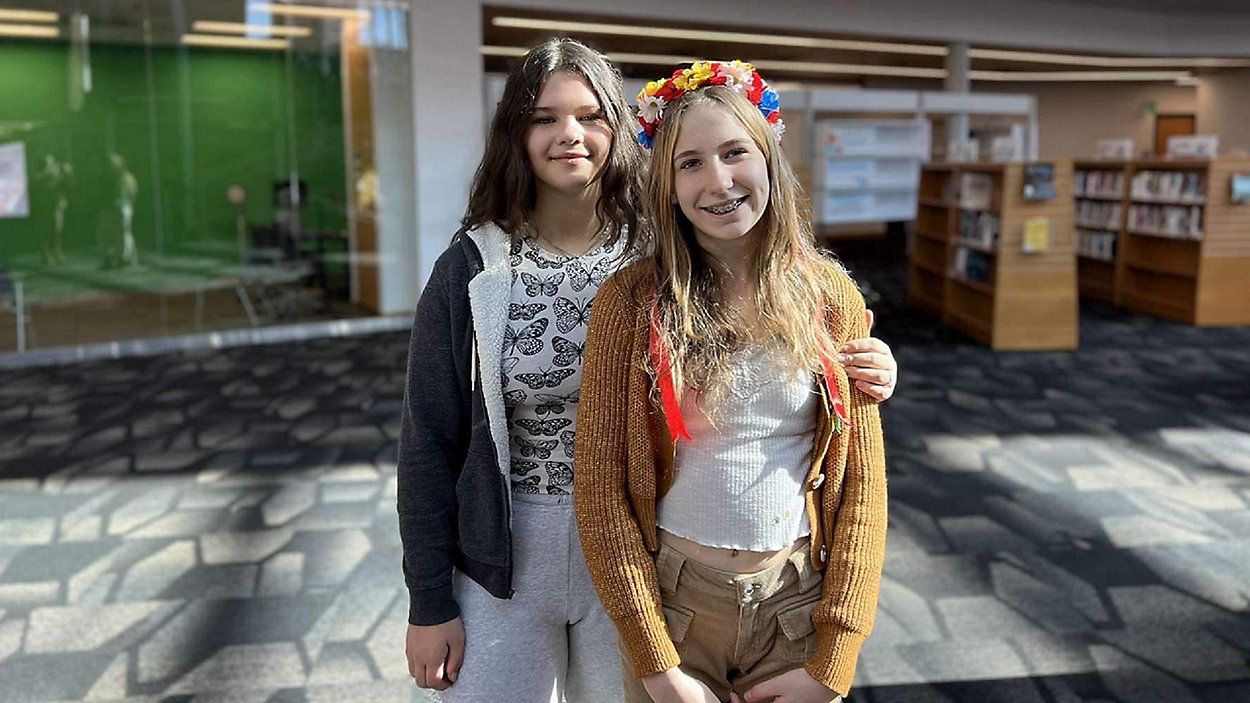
501	603
730	480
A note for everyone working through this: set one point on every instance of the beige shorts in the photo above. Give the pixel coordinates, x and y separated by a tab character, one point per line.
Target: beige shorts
734	631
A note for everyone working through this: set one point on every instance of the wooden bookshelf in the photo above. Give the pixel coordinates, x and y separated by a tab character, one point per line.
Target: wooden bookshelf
1016	300
1194	274
1099	271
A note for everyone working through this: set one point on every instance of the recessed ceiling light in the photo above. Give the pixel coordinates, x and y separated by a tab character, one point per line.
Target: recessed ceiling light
28	16
718	36
604	28
30	31
1106	61
324	13
234	42
1077	76
854	69
276	30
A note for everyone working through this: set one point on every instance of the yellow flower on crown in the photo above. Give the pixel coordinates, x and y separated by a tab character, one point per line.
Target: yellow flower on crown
652	88
695	76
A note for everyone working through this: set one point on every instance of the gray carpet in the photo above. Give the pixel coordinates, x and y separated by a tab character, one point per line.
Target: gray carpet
221	526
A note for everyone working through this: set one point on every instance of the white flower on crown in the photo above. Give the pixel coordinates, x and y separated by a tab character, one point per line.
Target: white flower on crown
738	75
779	128
651	107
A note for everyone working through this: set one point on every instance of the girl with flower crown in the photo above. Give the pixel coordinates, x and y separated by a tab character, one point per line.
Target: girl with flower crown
501	603
730	485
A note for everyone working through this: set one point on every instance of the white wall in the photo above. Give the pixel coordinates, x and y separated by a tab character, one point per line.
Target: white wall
391	82
1224	109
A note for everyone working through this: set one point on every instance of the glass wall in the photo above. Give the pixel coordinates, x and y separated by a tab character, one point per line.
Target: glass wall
171	167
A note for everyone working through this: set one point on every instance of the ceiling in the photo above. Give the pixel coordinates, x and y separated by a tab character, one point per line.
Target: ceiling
1168	7
163	22
640	47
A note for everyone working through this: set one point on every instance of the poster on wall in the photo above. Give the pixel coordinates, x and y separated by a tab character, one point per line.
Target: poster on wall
1039	181
14	192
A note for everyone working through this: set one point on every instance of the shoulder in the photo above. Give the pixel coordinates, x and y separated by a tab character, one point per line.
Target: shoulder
630	289
636	280
845	299
624	301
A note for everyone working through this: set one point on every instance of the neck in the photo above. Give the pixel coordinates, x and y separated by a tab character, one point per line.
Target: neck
567	220
733	255
735	258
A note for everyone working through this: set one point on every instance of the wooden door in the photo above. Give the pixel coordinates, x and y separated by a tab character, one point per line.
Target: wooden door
1172	126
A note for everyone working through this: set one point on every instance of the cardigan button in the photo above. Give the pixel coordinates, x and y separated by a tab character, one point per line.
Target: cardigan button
824	554
818	481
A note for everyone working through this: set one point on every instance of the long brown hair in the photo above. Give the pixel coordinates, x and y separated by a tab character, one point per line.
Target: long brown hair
504	187
795	284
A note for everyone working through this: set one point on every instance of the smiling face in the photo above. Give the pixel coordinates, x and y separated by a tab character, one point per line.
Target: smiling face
720	176
568	140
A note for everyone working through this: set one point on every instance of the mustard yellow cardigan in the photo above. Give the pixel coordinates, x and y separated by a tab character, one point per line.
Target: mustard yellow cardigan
624	464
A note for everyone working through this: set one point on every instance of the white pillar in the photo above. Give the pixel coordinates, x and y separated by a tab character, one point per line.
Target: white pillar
391	79
447	81
958	65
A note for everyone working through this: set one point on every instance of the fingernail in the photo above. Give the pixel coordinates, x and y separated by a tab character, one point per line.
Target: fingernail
845	358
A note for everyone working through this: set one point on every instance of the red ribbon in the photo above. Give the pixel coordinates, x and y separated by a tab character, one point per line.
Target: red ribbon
843	417
664	375
668	391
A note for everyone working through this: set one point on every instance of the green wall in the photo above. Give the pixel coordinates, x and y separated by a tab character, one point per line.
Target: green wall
219	117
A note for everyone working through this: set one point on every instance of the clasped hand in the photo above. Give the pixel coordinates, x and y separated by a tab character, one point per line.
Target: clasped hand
797	686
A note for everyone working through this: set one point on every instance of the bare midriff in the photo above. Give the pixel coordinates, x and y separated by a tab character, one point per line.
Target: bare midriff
737	561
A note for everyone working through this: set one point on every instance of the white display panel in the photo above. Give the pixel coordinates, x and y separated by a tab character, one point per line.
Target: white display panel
868	170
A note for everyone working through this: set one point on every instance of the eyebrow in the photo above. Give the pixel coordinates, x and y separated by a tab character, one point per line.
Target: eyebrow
581	108
693	152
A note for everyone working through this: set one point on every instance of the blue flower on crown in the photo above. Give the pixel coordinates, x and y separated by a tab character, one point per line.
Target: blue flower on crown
640	133
769	102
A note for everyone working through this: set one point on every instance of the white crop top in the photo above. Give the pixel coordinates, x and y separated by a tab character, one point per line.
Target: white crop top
739	483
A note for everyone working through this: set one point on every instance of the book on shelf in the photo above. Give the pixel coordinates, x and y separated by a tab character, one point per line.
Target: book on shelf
976	191
1099	184
979	228
1178	186
1177	221
1096	244
971	265
1098	214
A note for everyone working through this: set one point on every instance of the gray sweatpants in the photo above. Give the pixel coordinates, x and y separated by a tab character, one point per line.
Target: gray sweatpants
552	641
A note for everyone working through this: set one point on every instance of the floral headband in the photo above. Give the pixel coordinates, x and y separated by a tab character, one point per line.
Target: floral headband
736	74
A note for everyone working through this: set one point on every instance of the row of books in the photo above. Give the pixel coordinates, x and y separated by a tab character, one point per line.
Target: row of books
1097	214
1101	184
979	228
1180	221
976	191
1180	186
1096	244
971	265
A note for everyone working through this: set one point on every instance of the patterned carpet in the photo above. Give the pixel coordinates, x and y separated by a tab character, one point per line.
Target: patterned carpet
221	526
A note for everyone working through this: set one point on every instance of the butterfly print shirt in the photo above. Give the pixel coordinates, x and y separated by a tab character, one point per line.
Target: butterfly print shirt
542	358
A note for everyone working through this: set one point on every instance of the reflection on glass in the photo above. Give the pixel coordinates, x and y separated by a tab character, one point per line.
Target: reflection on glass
198	165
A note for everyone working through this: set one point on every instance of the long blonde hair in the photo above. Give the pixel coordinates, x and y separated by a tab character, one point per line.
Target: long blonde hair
795	284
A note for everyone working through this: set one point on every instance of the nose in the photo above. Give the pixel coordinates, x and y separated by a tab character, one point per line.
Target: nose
719	177
571	131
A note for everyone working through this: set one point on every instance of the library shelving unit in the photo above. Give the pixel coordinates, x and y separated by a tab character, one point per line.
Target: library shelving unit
866	170
1186	244
1101	193
968	264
